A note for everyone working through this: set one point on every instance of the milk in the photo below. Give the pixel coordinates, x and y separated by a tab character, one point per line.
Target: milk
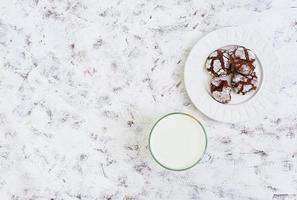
177	141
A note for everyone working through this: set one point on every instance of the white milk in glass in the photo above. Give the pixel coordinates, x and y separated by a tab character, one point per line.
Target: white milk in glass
177	141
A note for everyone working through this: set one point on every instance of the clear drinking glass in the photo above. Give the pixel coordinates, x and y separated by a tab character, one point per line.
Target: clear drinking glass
198	158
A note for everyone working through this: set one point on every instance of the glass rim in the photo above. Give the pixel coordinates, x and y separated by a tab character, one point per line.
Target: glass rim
199	159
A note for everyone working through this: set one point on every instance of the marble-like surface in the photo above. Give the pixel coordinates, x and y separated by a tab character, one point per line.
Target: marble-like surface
82	82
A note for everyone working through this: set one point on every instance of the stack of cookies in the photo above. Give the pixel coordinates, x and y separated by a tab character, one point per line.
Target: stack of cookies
232	69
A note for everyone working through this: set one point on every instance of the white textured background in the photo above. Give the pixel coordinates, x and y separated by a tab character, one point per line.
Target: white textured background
82	82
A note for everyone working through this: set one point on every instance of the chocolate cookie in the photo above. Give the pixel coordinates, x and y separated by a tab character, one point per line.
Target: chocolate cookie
242	60
243	84
220	89
217	63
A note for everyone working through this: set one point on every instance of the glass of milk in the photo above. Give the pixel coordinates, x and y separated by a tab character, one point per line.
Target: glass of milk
177	141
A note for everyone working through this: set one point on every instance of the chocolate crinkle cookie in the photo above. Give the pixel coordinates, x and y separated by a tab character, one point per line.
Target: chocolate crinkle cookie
243	84
217	63
220	89
242	60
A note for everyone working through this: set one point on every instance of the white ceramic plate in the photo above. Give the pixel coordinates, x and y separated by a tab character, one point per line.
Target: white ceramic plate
241	107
